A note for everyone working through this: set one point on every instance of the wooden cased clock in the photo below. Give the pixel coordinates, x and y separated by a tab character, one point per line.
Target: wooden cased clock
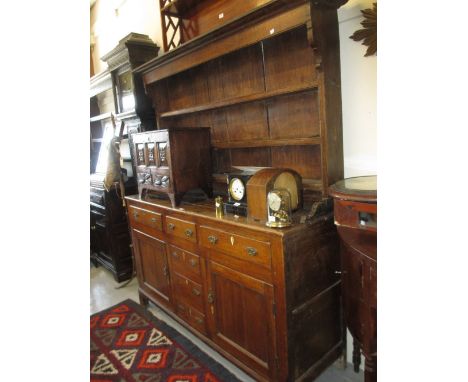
173	161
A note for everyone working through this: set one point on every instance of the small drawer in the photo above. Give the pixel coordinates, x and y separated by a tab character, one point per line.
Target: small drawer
147	218
186	263
241	247
181	228
187	291
197	320
192	316
356	215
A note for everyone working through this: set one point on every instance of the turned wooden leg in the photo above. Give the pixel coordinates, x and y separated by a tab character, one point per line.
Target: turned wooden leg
356	356
370	372
143	300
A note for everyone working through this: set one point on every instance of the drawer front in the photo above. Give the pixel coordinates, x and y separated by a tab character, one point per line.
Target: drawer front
356	215
192	316
187	291
185	263
147	218
181	228
241	247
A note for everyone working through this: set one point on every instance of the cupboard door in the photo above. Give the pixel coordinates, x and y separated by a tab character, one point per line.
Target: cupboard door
242	318
152	266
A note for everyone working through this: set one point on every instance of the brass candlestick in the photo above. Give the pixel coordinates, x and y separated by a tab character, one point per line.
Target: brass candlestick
219	206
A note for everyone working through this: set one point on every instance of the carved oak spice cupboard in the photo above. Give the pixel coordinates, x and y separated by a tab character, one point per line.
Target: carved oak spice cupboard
264	76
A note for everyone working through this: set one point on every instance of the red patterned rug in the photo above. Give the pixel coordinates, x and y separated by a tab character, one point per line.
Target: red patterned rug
129	344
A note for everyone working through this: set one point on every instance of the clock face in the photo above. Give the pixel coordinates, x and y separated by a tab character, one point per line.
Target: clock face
274	201
236	189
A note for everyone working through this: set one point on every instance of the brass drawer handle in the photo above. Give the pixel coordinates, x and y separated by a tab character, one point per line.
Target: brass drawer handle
198	320
196	292
211	297
188	232
251	251
212	239
154	220
135	215
181	307
171	226
193	262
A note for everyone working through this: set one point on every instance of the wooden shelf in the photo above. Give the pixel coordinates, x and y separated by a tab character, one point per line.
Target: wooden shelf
239	100
307	184
312	184
267	143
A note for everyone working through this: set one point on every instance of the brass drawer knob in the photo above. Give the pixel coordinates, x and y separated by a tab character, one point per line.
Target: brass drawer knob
93	227
193	262
175	255
171	226
198	320
212	239
135	215
211	297
251	251
196	292
188	232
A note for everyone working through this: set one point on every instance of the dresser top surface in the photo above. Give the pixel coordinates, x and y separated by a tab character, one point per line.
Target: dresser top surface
206	209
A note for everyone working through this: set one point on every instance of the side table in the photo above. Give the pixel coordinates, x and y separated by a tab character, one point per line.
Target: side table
355	210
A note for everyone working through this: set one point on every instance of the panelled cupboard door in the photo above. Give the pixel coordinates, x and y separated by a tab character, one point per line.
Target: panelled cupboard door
241	317
152	265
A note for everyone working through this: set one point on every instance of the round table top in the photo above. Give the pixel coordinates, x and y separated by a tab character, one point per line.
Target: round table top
360	188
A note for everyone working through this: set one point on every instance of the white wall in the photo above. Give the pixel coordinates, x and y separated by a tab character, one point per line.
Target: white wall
111	20
359	94
358	73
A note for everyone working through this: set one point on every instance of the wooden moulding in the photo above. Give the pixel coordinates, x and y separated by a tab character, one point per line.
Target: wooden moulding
208	47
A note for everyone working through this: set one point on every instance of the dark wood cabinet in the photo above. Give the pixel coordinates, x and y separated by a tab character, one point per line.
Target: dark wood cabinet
116	93
356	219
110	240
264	76
268	300
172	162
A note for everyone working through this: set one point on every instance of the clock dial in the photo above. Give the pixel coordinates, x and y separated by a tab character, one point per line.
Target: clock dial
274	201
236	189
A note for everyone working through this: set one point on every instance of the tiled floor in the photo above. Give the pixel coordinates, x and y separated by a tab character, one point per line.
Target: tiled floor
105	294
